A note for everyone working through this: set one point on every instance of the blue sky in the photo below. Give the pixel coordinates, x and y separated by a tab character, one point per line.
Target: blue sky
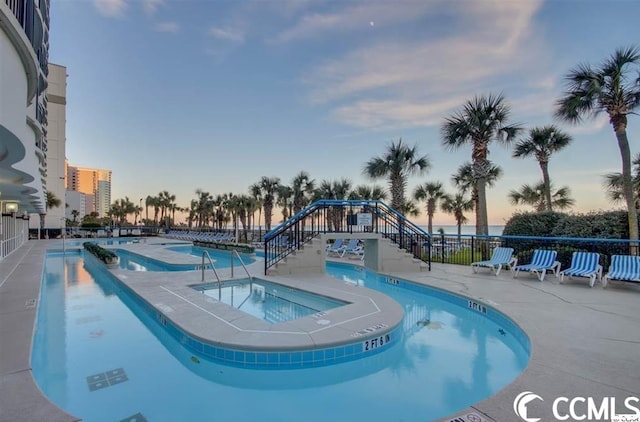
180	95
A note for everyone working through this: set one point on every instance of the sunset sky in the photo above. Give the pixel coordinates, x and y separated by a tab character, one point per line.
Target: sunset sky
181	95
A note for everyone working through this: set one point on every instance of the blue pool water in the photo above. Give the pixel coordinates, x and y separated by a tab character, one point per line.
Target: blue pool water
135	262
98	357
276	304
221	259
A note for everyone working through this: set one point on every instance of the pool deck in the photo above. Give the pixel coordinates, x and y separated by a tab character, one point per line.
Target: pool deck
585	342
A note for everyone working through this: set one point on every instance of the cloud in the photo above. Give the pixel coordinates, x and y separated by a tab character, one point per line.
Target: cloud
389	114
111	8
227	34
412	79
171	27
354	17
150	6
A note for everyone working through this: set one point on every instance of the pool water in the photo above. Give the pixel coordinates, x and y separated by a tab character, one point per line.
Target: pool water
99	357
220	258
135	262
270	302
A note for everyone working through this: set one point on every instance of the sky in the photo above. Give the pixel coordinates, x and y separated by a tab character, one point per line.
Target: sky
180	95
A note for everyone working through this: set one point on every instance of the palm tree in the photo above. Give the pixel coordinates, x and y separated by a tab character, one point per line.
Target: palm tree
613	184
541	143
268	189
537	198
480	121
368	193
51	201
397	164
75	214
609	88
457	205
431	192
303	186
465	182
256	193
284	196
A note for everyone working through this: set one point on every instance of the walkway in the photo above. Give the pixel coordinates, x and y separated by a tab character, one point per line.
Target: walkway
585	341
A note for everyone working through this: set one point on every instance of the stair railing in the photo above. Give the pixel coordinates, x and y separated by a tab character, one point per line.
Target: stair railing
341	216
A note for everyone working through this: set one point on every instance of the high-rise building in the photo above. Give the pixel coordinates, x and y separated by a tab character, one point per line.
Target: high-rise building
56	141
95	182
24	52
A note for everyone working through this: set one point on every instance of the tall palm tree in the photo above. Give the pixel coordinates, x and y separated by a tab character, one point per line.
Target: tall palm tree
268	189
480	121
613	184
536	197
397	164
256	193
431	192
303	186
614	89
541	143
51	201
464	180
284	197
457	205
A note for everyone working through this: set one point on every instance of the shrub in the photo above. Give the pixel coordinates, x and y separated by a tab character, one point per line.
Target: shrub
105	255
532	224
602	224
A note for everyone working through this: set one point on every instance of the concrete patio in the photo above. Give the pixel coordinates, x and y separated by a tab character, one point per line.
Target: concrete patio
585	342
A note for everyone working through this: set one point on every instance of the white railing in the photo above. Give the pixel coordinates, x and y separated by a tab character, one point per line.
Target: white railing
14	232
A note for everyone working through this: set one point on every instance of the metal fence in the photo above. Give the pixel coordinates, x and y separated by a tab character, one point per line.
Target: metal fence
465	249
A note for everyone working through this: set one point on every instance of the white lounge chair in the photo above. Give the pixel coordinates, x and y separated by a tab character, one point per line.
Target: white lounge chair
584	264
623	268
501	257
541	261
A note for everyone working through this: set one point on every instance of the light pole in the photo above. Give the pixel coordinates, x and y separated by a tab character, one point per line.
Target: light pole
63	229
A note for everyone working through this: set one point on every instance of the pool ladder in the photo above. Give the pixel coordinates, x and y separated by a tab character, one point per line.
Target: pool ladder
205	254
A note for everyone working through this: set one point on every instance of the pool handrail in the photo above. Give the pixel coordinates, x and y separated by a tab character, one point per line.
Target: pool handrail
235	252
213	267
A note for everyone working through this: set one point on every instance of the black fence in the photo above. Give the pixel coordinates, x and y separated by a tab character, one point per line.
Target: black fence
465	249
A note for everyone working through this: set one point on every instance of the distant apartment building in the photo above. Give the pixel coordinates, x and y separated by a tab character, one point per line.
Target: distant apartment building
95	184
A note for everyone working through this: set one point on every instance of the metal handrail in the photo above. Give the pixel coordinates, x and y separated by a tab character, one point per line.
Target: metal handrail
235	252
213	267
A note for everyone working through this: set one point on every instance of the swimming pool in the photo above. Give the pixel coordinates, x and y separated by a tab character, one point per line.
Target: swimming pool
98	357
267	301
135	262
221	259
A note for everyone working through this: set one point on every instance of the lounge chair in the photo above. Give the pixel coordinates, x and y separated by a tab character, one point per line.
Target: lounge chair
584	264
501	257
542	261
355	253
623	268
336	247
351	247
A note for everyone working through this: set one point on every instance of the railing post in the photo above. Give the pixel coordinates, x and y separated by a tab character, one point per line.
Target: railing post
473	248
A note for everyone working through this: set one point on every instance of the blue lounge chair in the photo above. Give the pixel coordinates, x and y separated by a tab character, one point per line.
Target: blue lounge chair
542	261
351	247
501	257
623	268
584	264
336	248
